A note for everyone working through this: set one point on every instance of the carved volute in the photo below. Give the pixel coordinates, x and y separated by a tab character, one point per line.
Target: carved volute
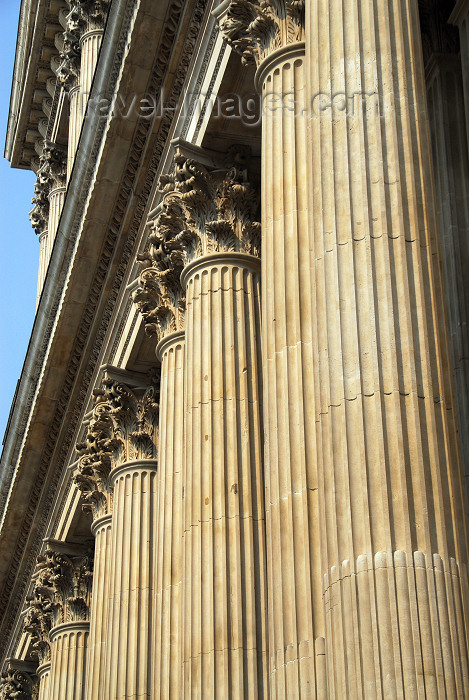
257	28
17	684
123	428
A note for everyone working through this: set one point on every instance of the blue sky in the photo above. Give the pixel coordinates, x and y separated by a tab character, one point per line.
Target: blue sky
19	245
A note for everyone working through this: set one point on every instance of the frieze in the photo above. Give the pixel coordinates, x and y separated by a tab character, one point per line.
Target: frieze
257	28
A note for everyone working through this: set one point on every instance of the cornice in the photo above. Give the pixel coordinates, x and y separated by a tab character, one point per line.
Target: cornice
61	313
32	70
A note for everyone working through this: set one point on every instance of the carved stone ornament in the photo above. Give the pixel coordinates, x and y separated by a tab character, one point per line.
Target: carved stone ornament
160	297
258	27
69	67
16	684
51	173
62	593
38	623
94	12
123	428
203	211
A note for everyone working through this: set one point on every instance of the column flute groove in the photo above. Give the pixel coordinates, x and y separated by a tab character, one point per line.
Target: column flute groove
391	513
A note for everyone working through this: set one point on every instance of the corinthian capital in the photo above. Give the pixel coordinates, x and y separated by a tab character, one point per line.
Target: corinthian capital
69	67
94	12
51	173
123	428
255	28
64	586
160	297
38	623
207	210
16	683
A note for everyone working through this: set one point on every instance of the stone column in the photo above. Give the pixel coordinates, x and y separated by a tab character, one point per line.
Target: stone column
68	74
43	262
451	167
92	477
49	195
37	622
81	43
43	676
56	202
69	644
208	220
391	508
271	34
74	126
161	301
134	413
460	18
58	620
90	45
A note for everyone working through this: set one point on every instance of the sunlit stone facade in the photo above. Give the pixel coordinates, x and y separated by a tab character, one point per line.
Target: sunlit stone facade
237	465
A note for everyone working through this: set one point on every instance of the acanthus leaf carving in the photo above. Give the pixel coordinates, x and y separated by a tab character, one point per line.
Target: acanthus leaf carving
255	28
38	623
123	428
69	68
62	593
94	12
211	210
64	586
203	211
51	173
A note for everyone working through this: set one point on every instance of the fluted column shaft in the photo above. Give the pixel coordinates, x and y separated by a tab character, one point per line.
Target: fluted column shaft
95	677
69	643
167	623
90	44
43	262
56	202
74	126
295	640
449	144
128	648
224	585
43	677
391	511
